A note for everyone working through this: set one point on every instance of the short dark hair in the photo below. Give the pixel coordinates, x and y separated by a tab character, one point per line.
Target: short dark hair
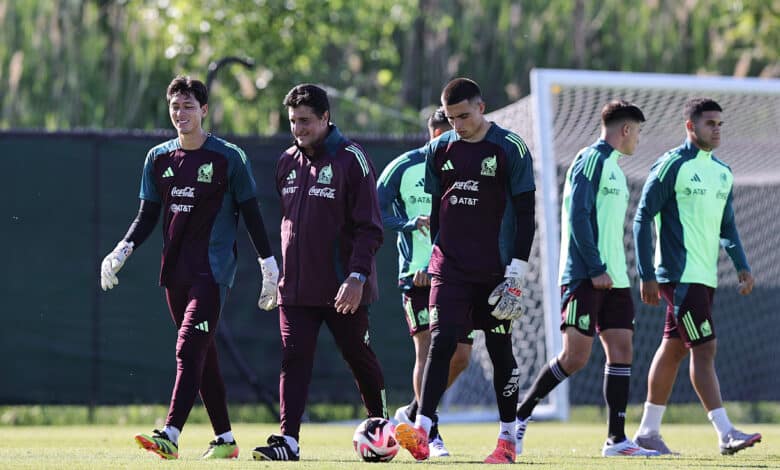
309	95
620	110
438	120
696	106
184	85
460	89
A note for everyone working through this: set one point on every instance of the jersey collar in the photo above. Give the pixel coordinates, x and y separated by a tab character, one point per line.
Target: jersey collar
695	151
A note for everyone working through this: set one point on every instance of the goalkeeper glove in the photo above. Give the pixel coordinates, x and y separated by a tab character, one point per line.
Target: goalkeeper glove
268	292
112	263
509	293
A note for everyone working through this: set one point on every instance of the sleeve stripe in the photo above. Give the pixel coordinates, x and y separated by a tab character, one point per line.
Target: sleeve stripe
360	158
237	149
521	147
590	164
667	164
391	168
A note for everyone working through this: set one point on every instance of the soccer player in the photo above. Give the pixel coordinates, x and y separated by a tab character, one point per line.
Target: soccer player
406	209
200	183
689	192
331	230
595	292
480	177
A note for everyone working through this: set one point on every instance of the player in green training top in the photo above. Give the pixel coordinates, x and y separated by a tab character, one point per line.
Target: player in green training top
595	291
689	195
406	209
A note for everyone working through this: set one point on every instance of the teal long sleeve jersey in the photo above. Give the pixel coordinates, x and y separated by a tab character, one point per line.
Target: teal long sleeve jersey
688	195
402	200
593	211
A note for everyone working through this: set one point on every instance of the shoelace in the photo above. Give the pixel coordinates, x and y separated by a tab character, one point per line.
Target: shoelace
161	435
277	441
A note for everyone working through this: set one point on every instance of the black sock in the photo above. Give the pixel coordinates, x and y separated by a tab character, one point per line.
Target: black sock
411	410
617	379
434	427
549	377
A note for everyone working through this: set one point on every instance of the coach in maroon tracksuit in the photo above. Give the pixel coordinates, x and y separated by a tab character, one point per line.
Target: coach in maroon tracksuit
331	230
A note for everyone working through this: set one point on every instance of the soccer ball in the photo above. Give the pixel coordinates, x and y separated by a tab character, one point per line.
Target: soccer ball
374	440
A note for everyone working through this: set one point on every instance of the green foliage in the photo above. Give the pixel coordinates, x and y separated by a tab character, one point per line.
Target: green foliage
105	63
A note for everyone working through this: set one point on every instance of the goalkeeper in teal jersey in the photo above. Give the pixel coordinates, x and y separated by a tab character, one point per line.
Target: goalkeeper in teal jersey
595	291
689	196
406	209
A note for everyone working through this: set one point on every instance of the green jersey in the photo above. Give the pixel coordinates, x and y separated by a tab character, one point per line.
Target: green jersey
593	212
688	195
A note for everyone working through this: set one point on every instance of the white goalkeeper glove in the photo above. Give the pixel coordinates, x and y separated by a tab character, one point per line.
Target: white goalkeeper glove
509	294
268	292
113	262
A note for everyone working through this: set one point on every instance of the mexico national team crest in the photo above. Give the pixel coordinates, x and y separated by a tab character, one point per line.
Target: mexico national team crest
326	174
205	172
489	166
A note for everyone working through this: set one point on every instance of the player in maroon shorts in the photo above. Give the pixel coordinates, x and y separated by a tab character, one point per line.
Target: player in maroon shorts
406	209
200	183
331	230
480	177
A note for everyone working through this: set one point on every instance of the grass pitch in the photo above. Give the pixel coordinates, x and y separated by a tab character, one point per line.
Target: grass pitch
548	446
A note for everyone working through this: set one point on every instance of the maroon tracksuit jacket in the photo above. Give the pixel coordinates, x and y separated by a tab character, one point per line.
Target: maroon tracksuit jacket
331	223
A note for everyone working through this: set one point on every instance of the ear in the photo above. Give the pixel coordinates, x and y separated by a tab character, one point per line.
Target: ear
689	125
205	110
625	129
326	116
436	133
481	107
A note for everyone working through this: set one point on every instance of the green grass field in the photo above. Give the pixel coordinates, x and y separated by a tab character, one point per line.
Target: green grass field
548	446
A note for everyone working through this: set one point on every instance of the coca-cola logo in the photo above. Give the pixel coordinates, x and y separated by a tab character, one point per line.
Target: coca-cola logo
327	193
470	185
188	191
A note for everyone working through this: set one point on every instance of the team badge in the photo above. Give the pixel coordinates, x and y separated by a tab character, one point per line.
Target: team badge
433	315
326	174
584	322
423	315
489	166
205	172
724	180
706	328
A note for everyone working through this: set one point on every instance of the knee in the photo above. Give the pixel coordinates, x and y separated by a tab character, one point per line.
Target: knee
443	344
571	363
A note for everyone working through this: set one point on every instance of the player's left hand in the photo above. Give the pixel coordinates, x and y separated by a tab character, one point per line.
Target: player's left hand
113	262
349	295
507	296
746	282
269	292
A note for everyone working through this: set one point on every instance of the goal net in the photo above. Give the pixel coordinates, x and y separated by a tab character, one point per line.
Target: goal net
560	117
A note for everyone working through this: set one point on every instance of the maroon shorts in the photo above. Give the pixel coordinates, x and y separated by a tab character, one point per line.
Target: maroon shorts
688	312
415	302
464	306
591	310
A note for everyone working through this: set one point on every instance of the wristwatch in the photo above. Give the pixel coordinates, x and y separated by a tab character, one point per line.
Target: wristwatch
358	276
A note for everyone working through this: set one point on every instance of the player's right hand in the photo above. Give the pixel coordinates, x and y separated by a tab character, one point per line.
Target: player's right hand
649	292
746	282
602	281
112	263
423	224
508	296
421	278
269	292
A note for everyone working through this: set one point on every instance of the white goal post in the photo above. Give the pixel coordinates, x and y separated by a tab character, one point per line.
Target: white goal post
559	117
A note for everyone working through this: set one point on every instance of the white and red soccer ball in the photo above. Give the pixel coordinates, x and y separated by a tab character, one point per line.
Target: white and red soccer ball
374	440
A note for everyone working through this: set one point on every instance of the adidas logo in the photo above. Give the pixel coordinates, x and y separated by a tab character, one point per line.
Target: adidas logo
168	173
420	184
499	329
203	326
447	166
696	178
291	176
612	176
